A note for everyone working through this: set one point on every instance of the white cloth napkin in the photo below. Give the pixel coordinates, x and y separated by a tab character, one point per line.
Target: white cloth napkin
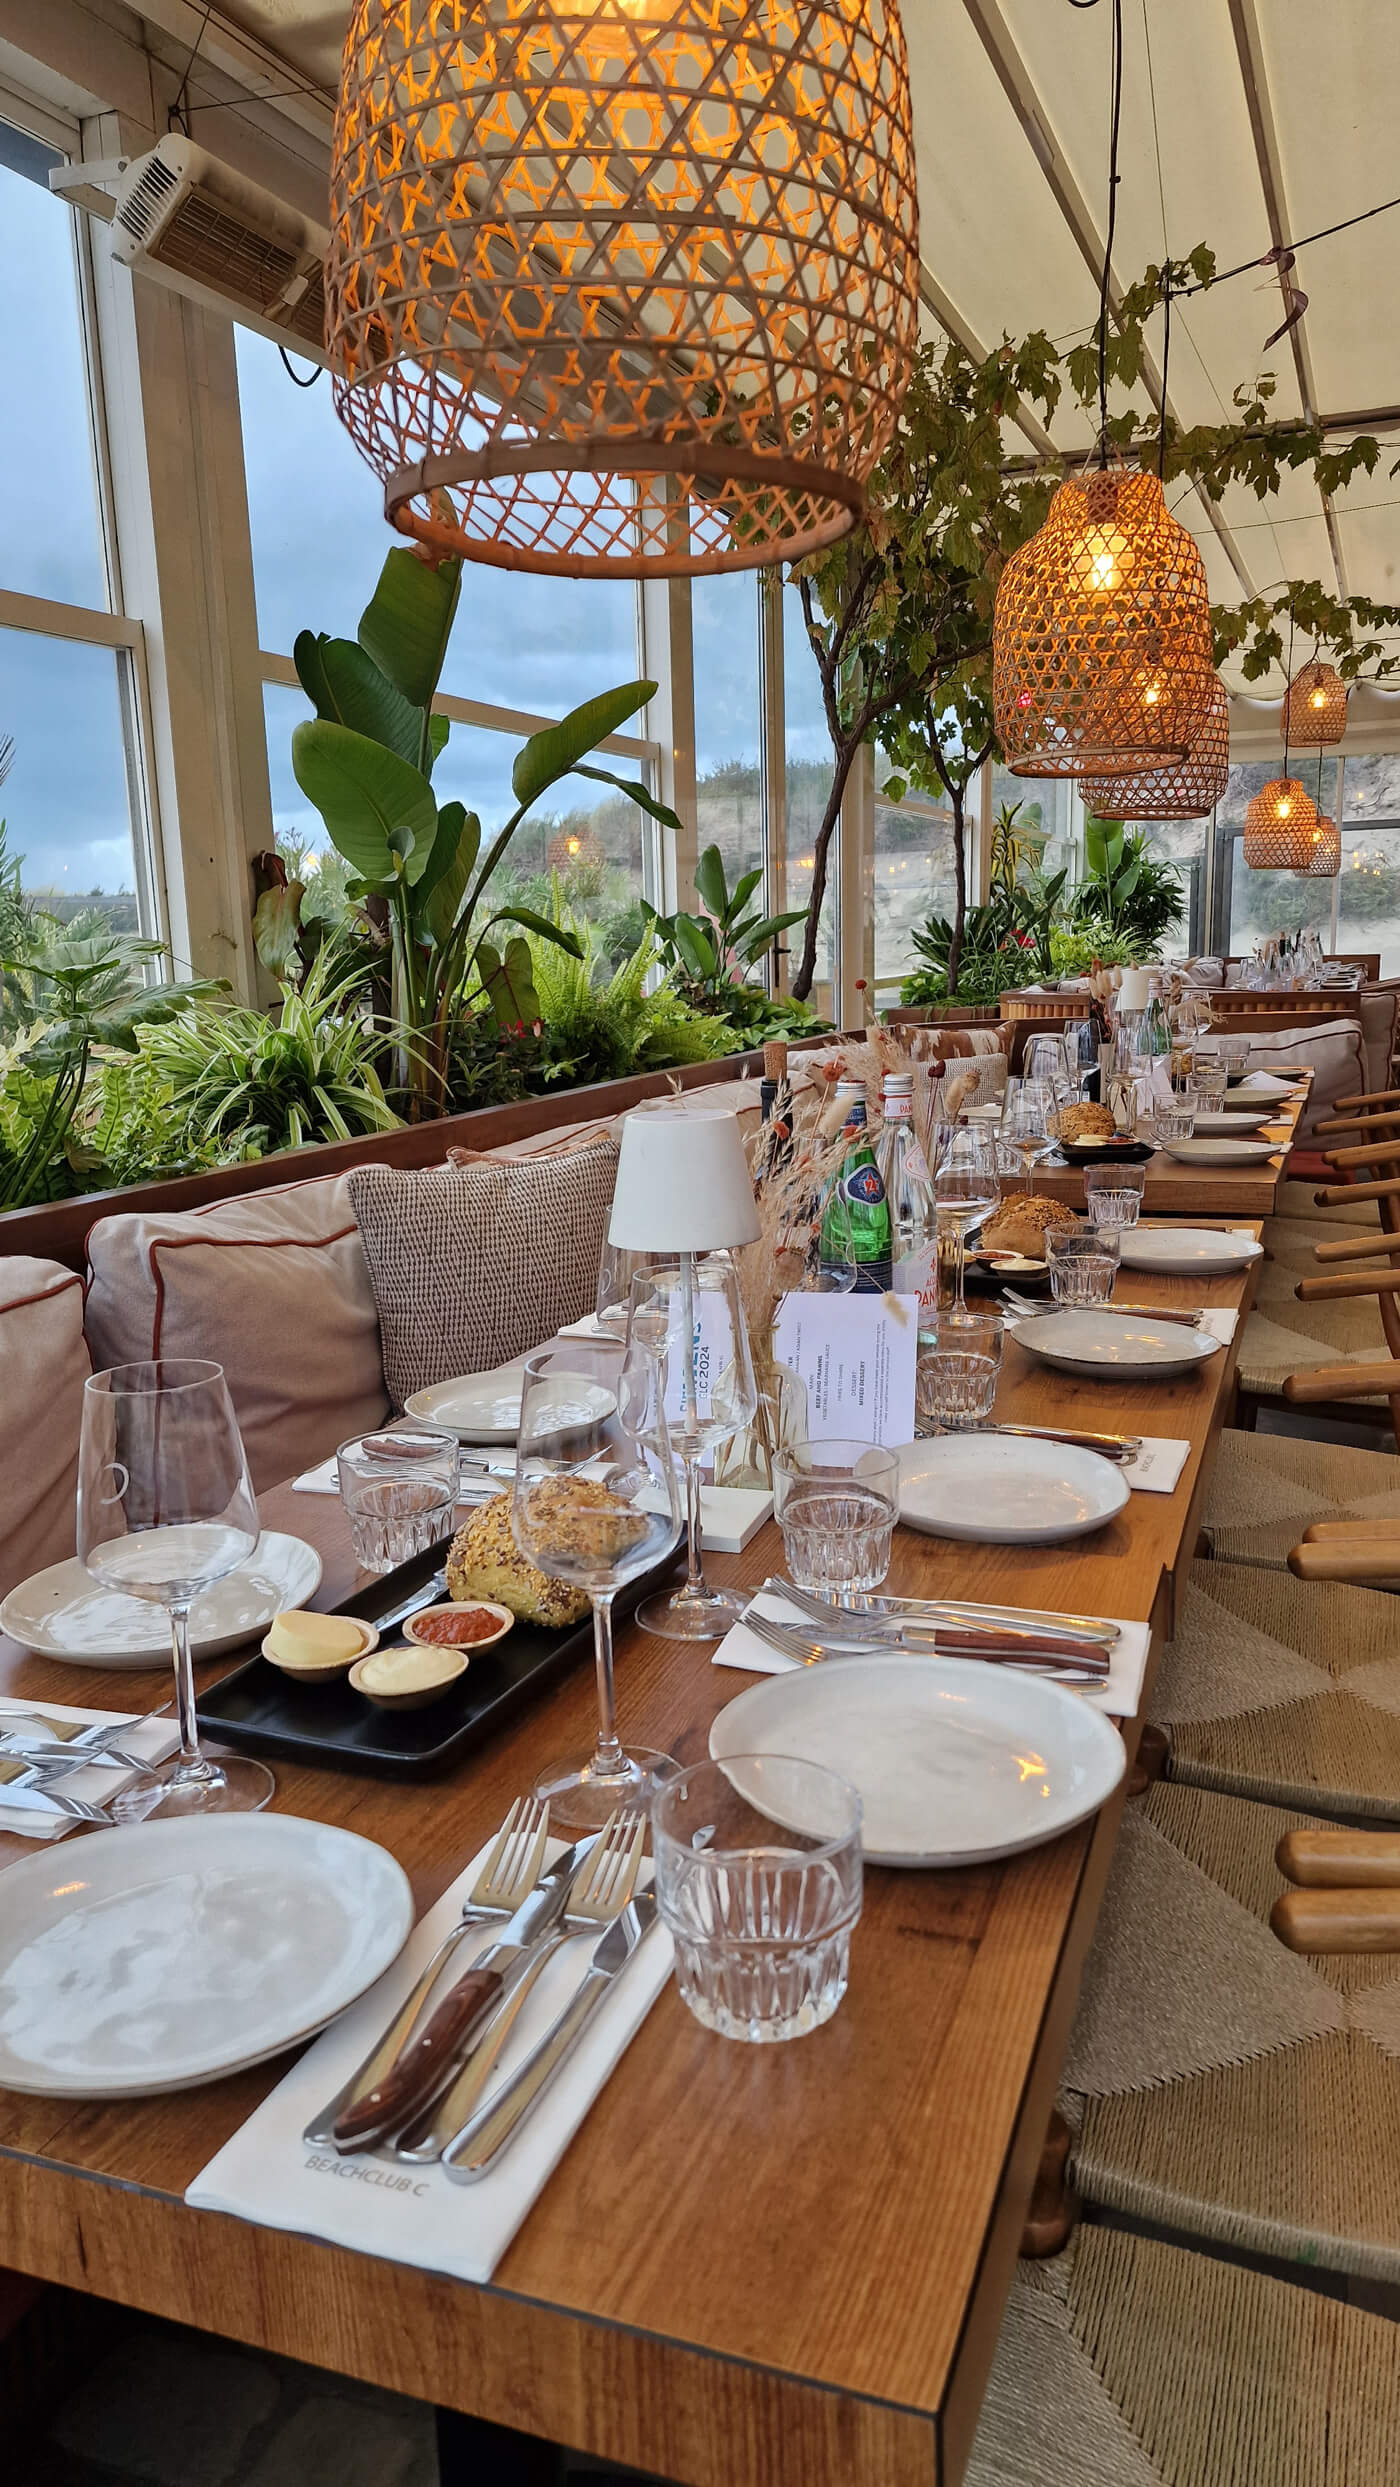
1157	1467
371	2202
154	1739
729	1514
1118	1695
1222	1321
1266	1084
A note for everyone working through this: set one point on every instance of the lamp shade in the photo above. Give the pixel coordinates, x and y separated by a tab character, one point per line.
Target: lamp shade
1184	789
1316	708
623	290
1101	642
1278	827
683	1185
1325	859
1135	991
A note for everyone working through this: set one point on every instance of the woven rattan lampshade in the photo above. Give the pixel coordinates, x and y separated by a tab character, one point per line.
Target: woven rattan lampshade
1184	789
1101	643
622	287
1317	708
1279	826
1325	859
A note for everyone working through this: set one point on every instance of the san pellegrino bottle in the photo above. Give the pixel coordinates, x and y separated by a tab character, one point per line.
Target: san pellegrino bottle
909	1192
866	1205
1155	1035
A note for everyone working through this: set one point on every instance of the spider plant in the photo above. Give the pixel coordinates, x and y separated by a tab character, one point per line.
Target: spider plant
258	1085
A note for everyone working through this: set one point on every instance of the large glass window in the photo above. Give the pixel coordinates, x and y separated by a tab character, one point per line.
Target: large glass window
914	879
725	621
537	646
72	797
807	750
1368	886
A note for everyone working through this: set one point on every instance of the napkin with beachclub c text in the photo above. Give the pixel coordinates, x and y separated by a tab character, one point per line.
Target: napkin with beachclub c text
415	2213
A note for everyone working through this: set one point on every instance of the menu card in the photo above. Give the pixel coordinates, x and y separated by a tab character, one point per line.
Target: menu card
856	1355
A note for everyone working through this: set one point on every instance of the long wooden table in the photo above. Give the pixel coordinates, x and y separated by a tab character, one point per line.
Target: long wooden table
755	2267
1199	1192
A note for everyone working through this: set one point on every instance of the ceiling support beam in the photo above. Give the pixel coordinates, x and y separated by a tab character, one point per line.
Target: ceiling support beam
1250	51
1020	90
257	70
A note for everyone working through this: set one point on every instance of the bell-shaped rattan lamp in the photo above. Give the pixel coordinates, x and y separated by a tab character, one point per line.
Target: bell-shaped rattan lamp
1317	708
1279	827
622	287
1101	637
1185	789
1325	856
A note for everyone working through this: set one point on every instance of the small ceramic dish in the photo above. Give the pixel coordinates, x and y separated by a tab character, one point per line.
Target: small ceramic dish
453	1665
503	1619
329	1670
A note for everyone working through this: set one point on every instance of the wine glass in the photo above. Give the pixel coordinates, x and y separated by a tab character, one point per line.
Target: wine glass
690	1316
1025	1121
1047	1058
618	1265
965	1187
596	1502
165	1508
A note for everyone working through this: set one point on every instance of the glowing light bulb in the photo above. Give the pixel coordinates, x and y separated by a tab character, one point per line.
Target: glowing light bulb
1285	807
1318	700
574	845
1103	571
1151	695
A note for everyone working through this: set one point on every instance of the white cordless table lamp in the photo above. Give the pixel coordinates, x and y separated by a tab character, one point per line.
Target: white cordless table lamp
684	1190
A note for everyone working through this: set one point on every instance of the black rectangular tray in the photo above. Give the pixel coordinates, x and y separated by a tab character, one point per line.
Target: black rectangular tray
260	1710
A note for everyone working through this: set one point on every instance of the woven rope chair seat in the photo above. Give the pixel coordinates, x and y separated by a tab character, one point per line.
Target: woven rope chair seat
1284	1691
1128	2363
1217	2083
1265	1489
1297	1200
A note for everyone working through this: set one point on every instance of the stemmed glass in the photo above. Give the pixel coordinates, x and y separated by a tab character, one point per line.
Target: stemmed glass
690	1316
597	1505
165	1508
1025	1123
965	1187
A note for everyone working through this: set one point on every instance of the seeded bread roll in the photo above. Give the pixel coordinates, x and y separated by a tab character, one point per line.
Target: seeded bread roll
485	1562
1086	1121
1020	1225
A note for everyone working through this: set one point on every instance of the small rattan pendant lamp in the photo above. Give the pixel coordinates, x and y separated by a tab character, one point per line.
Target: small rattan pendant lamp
620	288
1186	790
1101	640
1317	707
1325	859
1281	821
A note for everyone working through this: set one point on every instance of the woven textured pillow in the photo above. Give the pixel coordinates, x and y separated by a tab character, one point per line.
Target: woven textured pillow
474	1264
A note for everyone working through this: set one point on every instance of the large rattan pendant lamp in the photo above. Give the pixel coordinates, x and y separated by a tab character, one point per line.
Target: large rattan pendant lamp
1280	823
1101	644
1186	789
1316	707
623	287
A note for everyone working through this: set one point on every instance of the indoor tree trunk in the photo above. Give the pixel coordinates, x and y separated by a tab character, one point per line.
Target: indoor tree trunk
957	796
802	981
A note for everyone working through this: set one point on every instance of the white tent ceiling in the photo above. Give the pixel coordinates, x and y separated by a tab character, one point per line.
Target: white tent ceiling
1245	123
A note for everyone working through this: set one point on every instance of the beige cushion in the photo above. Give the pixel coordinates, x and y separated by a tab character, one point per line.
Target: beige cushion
274	1288
44	1360
1380	1011
476	1262
1332	1049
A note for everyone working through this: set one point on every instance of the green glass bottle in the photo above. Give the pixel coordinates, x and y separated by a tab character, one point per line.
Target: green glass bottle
863	1194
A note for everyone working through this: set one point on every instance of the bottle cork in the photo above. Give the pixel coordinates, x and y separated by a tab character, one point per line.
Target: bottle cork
775	1058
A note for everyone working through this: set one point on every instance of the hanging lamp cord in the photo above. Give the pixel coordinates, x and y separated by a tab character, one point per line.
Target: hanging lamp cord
1288	693
1115	119
1166	365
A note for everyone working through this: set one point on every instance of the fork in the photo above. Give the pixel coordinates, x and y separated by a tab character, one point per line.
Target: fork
601	1894
33	1779
511	1869
1059	1660
902	1614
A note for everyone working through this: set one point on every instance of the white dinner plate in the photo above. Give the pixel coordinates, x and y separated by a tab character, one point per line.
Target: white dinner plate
167	1953
1222	1152
1228	1122
485	1407
1267	1084
1200	1251
1006	1493
956	1761
1115	1347
64	1613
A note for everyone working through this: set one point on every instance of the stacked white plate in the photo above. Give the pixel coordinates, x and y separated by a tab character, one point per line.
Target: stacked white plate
1228	1121
1222	1152
1000	1491
485	1407
64	1613
956	1762
1187	1251
1114	1347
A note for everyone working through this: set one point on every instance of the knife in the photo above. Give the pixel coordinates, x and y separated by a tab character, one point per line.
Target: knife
27	1785
62	1741
469	2156
1123	1447
1038	1621
420	2067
